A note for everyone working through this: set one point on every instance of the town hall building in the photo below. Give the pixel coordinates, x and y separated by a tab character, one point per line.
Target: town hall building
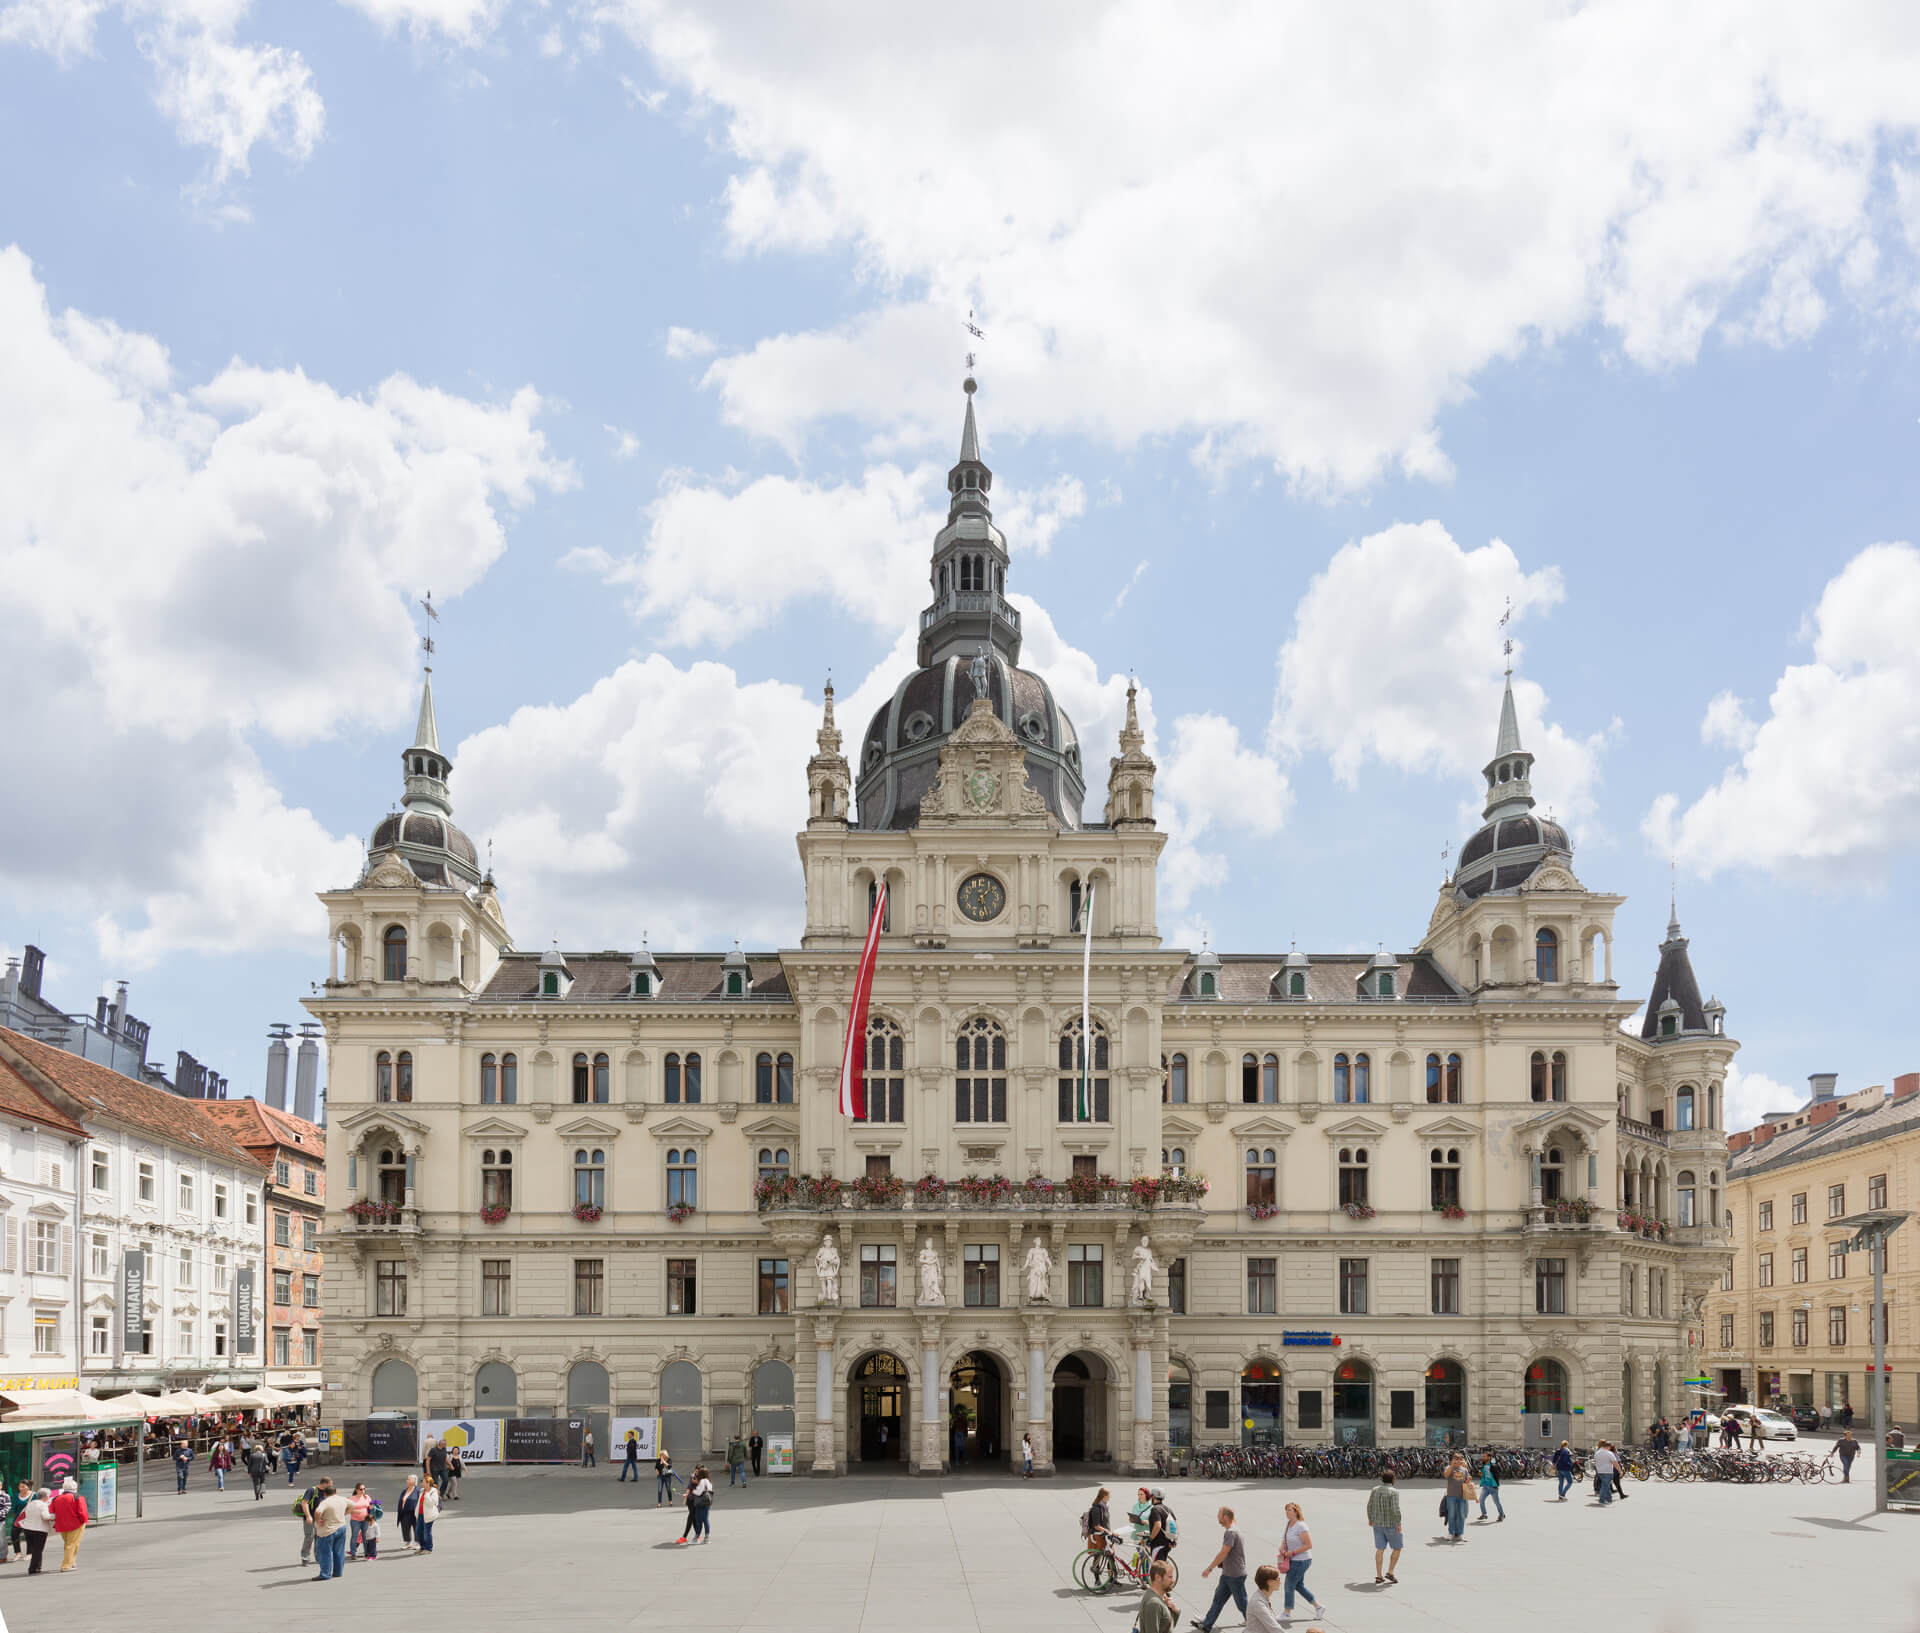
1390	1199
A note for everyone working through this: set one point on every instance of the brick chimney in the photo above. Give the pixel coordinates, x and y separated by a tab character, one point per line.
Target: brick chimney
1824	1113
1740	1141
1763	1134
1905	1084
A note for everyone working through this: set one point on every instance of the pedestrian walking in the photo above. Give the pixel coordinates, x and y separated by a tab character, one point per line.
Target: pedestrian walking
736	1460
22	1496
1383	1514
70	1520
437	1466
1754	1436
1231	1563
303	1508
1604	1463
1296	1554
429	1512
36	1522
586	1449
1026	1455
7	1532
662	1477
293	1452
1849	1449
330	1532
357	1506
630	1469
1563	1468
1453	1506
1846	1415
182	1465
220	1462
1156	1613
456	1472
687	1529
1490	1488
1619	1472
755	1445
699	1506
408	1509
1260	1616
257	1470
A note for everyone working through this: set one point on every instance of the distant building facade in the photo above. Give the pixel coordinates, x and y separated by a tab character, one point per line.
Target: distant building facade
40	1300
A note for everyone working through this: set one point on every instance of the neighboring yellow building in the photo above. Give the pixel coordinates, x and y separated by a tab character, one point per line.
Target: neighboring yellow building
1793	1318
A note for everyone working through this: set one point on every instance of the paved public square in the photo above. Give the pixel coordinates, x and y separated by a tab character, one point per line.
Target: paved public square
566	1547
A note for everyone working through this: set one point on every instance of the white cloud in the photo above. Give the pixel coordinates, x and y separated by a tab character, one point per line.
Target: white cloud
1827	782
1208	781
1395	657
625	443
1283	233
460	21
689	343
61	28
1749	1096
1126	589
280	531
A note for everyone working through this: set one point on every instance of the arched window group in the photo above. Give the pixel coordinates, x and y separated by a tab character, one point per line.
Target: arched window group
1353	1177
499	1080
1683	1109
1173	1161
1553	1175
774	1162
1352	1080
873	902
393	953
1083	1092
393	1075
1549	1075
590	1179
1173	1090
1444	1177
592	1080
885	1083
773	1080
390	1175
683	1080
683	1178
1262	1175
1684	1198
980	1073
1260	1080
1443	1080
496	1179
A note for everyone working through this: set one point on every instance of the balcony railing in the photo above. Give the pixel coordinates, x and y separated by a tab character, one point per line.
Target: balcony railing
378	1218
954	601
1640	1130
803	1193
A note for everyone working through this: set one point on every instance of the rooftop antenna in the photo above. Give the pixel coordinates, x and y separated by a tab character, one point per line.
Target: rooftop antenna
427	602
1446	856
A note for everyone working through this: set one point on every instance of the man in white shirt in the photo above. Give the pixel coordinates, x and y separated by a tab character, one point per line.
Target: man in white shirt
1604	1463
330	1532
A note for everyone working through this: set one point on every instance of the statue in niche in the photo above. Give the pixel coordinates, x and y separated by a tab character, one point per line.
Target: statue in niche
930	1274
826	1270
1143	1273
1038	1265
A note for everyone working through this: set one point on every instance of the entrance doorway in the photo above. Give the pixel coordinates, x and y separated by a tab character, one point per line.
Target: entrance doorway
976	1427
1080	1410
1260	1405
1353	1404
880	1408
1732	1387
1446	1404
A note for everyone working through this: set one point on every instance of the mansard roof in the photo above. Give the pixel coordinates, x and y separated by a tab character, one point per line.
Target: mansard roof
1332	978
607	977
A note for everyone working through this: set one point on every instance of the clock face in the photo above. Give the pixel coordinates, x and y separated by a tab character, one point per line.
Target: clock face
982	897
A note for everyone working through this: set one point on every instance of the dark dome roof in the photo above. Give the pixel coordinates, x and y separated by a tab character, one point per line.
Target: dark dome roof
437	851
1504	854
900	751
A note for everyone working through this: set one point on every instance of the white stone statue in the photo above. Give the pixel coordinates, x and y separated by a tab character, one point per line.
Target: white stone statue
826	1270
1143	1273
930	1274
1038	1265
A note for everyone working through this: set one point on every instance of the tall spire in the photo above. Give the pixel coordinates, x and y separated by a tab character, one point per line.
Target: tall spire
427	733
427	768
1509	772
829	782
1509	739
969	432
969	568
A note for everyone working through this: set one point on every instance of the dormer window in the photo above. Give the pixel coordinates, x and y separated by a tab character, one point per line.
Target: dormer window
1386	984
550	984
1546	956
736	984
1209	985
1296	983
642	984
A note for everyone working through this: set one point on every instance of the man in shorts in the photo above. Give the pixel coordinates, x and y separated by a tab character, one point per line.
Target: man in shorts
1383	1514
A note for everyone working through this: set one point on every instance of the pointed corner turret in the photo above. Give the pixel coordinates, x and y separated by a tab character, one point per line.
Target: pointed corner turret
969	432
1509	773
1130	773
829	781
1674	1006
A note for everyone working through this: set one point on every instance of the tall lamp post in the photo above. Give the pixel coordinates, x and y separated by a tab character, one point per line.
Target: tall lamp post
1870	1231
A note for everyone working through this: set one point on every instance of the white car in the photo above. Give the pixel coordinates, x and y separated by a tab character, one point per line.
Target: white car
1773	1425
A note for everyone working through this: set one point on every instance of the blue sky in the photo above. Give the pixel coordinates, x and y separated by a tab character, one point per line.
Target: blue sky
634	334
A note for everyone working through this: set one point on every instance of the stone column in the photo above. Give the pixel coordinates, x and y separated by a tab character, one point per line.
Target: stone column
1037	1425
826	1444
1142	1392
933	1447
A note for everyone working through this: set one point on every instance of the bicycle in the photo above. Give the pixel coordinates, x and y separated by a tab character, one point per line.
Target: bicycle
1102	1568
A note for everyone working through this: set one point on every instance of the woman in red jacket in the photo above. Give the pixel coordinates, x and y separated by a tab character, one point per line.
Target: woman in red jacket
70	1520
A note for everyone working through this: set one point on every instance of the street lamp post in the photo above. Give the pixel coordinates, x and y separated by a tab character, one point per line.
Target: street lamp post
1870	1231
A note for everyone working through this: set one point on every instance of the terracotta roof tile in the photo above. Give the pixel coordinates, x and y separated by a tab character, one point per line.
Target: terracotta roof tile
253	1122
18	1098
167	1116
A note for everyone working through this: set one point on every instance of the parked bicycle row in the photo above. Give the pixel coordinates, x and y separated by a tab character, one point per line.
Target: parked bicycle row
1510	1462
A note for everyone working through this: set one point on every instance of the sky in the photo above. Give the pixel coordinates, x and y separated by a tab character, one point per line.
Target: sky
633	332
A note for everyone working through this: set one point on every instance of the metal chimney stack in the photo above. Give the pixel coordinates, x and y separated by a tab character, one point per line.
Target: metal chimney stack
306	1076
1822	1085
279	1033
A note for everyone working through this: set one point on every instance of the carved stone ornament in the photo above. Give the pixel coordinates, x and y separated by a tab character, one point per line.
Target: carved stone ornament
983	774
1552	876
982	786
388	871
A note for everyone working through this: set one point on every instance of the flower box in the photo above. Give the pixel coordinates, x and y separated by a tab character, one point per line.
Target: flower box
1262	1210
986	1192
1357	1210
1451	1210
879	1190
929	1191
679	1213
585	1212
493	1214
376	1213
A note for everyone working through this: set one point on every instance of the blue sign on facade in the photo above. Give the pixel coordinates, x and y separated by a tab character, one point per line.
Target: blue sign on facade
1306	1340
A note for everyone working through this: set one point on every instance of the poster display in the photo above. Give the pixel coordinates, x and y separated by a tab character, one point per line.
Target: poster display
381	1440
100	1485
477	1438
648	1429
542	1440
243	1311
777	1455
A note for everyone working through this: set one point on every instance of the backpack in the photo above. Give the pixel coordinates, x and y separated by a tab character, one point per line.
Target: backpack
1172	1527
1086	1525
303	1500
375	1511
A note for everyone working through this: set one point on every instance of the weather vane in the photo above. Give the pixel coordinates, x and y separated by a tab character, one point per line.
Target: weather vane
426	641
1506	646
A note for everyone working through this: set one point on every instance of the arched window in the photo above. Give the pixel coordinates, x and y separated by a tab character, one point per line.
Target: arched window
980	1065
1683	1107
1083	1093
1073	908
383	1076
886	1082
683	1080
1713	1200
496	1179
1549	1075
489	1080
393	1075
390	1176
1209	987
763	1079
1260	1080
1684	1191
1362	1080
1173	1162
683	1178
591	1080
1262	1173
774	1162
1353	1177
1546	955
1443	1080
873	901
496	1390
1342	1080
393	947
1546	1388
396	1387
1176	1090
1296	983
509	1080
1444	1177
590	1179
1553	1175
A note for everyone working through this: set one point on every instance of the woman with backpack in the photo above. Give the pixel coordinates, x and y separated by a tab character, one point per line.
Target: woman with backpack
1096	1525
357	1506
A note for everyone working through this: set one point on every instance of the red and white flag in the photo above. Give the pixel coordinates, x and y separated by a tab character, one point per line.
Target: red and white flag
853	1094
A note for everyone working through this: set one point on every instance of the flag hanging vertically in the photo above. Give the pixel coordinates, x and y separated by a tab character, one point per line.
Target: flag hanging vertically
1083	1107
853	1095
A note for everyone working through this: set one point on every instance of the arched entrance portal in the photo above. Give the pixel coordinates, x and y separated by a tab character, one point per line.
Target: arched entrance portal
977	1430
1080	1410
879	1404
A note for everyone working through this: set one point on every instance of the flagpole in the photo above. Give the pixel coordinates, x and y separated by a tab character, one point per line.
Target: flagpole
1086	1013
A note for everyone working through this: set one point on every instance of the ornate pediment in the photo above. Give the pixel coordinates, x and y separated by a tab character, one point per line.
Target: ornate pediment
1553	874
1263	1127
681	1129
588	1128
983	777
772	1128
496	1128
386	1115
1178	1125
389	872
1448	1128
1354	1128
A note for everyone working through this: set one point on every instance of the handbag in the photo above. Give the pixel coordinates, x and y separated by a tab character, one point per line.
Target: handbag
1443	1508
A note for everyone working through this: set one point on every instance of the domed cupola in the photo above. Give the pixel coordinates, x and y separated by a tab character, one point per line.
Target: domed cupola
1512	843
422	830
969	647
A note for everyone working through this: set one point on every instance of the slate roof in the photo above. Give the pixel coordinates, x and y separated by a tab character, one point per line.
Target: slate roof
1332	978
19	1098
167	1117
607	977
1675	977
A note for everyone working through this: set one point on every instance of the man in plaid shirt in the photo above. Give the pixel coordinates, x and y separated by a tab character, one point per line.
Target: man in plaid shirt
1383	1514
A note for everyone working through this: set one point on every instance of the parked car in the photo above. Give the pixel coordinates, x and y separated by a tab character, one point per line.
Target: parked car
1773	1425
1806	1417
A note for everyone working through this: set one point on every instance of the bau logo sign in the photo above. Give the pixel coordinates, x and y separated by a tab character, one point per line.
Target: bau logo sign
476	1439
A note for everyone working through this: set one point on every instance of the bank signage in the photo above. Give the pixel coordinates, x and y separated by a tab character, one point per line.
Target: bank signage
1309	1340
133	1300
243	1311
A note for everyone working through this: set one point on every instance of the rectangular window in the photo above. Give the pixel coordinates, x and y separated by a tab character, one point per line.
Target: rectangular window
879	1166
1764	1276
101	1173
877	1276
97	1255
1837	1326
1726	1280
1261	1174
146	1181
1766	1216
310	1347
310	1292
1353	1286
1443	1184
1086	1275
1799	1329
682	1298
1310	1411
282	1347
1550	1286
282	1230
1799	1209
1726	1332
1446	1286
219	1272
1836	1261
1400	1408
310	1182
186	1193
1219	1409
220	1338
46	1334
1766	1331
183	1339
1629	1288
390	1287
309	1234
1799	1265
186	1268
46	1247
980	1275
589	1286
252	1214
773	1285
1836	1201
280	1174
1261	1281
496	1287
1353	1178
283	1287
99	1337
1177	1287
1876	1191
219	1201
